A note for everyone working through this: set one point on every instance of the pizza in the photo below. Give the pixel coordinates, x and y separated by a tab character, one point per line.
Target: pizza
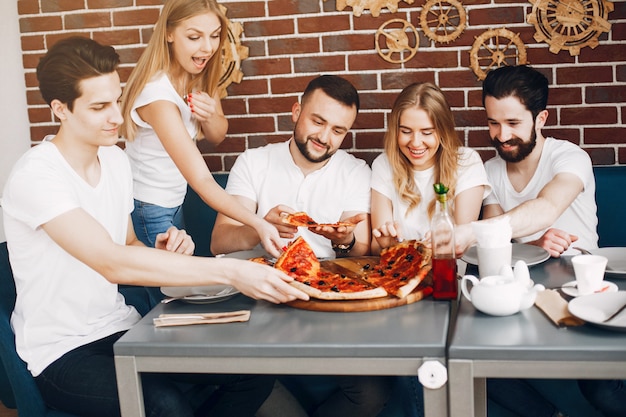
301	219
299	262
400	270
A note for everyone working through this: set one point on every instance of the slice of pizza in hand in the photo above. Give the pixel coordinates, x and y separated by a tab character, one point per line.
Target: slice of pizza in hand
299	262
401	268
301	219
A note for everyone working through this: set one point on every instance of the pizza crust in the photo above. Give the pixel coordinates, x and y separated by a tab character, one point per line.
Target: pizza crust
377	292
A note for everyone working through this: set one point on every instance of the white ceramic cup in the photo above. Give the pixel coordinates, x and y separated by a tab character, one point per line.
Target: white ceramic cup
491	260
589	271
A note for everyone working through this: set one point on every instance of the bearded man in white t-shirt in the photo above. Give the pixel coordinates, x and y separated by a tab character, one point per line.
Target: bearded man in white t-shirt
545	186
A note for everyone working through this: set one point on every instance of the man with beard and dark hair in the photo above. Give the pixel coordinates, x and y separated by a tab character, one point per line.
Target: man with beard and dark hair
310	173
306	173
545	186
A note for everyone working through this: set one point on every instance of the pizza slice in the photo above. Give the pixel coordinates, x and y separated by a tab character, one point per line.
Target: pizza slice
301	219
401	268
334	287
299	262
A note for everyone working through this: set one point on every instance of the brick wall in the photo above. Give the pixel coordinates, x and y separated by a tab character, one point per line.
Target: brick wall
290	41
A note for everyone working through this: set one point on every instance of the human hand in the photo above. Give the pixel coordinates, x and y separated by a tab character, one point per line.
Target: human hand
270	238
463	238
202	105
342	234
263	282
387	234
175	240
555	241
275	217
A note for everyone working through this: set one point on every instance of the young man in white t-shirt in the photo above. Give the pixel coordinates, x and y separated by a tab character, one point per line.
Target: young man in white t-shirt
307	173
310	173
67	206
545	186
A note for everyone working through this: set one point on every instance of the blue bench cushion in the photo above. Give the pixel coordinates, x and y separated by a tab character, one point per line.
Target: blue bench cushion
611	202
199	218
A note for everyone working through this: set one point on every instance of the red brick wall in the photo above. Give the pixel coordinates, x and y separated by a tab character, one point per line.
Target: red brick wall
290	41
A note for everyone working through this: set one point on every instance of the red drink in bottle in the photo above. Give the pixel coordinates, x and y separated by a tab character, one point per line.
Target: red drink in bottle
445	285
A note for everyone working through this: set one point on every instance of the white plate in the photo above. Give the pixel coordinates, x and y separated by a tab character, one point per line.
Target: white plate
595	308
530	254
616	257
571	290
202	294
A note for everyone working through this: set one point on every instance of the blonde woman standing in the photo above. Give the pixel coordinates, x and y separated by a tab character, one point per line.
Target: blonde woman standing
170	100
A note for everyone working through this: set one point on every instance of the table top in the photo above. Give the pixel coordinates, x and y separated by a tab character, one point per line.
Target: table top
411	331
529	335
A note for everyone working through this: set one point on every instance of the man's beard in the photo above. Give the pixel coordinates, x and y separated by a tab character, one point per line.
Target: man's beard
302	143
523	148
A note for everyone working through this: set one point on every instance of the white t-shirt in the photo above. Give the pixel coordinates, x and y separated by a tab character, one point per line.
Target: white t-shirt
156	178
269	177
62	303
557	156
470	173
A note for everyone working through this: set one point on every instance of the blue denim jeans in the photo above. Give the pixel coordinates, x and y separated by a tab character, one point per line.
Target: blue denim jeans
83	382
519	397
608	396
148	221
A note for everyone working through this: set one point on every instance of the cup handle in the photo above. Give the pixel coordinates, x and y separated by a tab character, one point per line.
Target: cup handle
464	289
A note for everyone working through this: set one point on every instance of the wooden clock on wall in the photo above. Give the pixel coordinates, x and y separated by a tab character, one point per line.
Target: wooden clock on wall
570	24
232	55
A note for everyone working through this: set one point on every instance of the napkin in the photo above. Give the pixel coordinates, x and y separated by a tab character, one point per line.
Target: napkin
493	233
201	318
555	308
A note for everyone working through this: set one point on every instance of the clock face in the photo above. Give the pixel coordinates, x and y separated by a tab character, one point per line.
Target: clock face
570	24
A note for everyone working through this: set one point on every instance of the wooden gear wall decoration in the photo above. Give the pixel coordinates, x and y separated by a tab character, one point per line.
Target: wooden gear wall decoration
570	24
397	41
443	20
375	6
495	48
232	55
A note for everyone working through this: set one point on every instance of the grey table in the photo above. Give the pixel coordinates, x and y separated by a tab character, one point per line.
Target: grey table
527	345
280	339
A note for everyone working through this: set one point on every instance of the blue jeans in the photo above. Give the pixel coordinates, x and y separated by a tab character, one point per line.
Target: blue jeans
148	221
339	396
608	396
83	382
519	397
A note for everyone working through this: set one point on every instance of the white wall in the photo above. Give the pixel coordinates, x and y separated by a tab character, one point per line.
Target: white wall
15	132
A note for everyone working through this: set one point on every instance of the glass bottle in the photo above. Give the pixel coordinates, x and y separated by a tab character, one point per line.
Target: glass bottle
445	286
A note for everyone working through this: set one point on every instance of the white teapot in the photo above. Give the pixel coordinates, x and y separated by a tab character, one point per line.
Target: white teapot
502	295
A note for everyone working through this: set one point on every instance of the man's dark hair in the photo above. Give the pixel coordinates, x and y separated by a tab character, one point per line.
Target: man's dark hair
335	87
70	61
527	84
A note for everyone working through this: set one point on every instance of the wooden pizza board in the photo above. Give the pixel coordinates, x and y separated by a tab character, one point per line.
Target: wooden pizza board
358	265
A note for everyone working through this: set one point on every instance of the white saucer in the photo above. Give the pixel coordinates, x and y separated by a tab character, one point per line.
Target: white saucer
570	289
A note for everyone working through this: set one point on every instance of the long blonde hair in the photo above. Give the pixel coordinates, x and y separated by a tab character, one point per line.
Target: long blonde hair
427	97
158	57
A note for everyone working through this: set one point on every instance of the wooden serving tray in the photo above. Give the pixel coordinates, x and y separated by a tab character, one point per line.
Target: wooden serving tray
358	265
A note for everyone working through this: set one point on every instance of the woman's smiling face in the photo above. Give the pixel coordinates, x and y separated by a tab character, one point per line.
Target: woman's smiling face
195	40
417	138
